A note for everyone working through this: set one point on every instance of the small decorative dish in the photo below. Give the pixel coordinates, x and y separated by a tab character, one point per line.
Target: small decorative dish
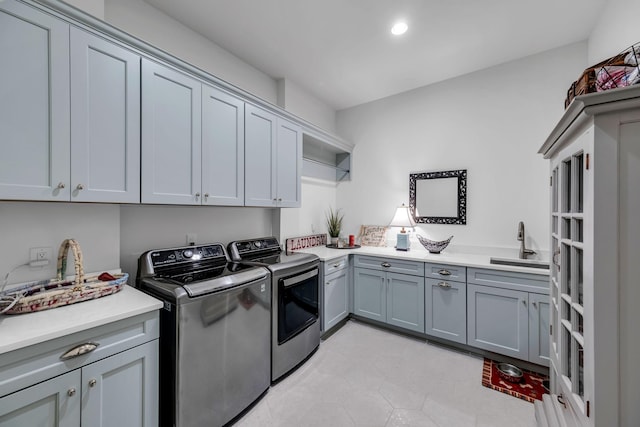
433	246
509	372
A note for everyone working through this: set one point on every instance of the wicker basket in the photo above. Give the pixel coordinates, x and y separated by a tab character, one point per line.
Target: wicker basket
618	71
45	294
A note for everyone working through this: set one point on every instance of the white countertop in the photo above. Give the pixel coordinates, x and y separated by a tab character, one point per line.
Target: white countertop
421	254
22	330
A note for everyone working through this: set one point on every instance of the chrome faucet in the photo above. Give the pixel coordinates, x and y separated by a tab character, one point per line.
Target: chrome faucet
523	251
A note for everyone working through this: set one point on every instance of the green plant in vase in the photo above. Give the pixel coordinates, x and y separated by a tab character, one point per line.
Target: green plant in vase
334	224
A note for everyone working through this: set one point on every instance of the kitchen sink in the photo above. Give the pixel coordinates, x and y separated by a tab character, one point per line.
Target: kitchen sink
531	263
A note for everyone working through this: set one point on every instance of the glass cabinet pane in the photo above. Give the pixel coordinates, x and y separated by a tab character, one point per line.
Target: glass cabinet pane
554	190
578	165
566	186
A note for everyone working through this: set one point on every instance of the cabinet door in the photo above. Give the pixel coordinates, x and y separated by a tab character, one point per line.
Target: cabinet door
171	136
405	301
52	403
336	298
105	121
446	309
539	329
288	164
122	390
369	296
34	112
259	157
222	148
498	320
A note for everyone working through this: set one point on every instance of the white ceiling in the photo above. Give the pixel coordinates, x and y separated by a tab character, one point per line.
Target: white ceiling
342	50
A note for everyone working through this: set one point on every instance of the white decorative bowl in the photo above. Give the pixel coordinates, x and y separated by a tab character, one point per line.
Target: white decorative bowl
433	246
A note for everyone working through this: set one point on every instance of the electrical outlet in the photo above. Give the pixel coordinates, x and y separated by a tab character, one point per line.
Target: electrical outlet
192	238
40	254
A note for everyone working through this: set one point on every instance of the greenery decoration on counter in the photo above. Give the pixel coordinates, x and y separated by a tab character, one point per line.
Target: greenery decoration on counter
334	222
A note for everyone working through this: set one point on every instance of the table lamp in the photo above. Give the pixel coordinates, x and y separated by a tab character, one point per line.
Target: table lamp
403	219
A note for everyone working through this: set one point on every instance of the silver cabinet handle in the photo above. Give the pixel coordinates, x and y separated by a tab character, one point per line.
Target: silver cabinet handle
385	264
337	265
206	196
524	302
279	199
71	392
79	187
535	304
197	195
79	350
61	185
444	272
92	382
444	285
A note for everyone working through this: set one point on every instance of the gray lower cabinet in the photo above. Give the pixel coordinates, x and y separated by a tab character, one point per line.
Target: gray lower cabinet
498	320
446	309
335	288
389	297
508	313
539	329
114	385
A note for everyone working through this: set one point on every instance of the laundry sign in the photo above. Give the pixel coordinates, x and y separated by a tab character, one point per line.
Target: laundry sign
305	242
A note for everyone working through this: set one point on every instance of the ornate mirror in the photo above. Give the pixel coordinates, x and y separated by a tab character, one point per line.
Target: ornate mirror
438	197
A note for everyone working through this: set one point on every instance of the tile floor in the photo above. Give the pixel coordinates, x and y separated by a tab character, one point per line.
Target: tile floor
365	376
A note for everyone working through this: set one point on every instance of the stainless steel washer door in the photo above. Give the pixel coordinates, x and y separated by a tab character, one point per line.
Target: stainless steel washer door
223	361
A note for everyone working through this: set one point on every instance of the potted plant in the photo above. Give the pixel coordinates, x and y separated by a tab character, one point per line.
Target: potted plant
334	225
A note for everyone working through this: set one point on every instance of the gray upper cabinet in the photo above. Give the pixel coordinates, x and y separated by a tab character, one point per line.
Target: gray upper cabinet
273	159
259	160
105	121
35	107
171	136
222	148
288	164
498	320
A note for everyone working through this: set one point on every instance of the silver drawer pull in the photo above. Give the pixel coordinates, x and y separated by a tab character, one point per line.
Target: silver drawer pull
444	285
79	350
92	382
385	265
71	392
444	272
337	265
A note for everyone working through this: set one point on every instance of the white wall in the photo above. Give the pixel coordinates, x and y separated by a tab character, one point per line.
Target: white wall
490	122
616	29
153	26
295	99
92	7
317	197
25	225
145	227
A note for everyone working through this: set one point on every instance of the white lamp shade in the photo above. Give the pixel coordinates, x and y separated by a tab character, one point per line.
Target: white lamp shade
402	218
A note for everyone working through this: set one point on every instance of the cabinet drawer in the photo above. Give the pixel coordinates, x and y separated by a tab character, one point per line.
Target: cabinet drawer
454	273
415	268
30	365
527	282
335	264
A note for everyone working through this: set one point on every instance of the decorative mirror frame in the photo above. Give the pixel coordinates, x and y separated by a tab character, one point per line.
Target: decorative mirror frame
462	197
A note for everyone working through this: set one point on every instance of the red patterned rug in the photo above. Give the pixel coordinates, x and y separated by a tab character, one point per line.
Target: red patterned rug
529	388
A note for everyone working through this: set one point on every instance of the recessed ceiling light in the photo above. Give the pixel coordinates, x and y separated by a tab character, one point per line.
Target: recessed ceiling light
399	28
